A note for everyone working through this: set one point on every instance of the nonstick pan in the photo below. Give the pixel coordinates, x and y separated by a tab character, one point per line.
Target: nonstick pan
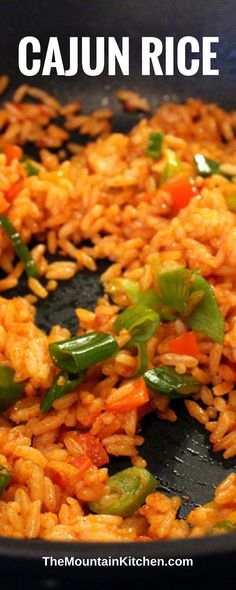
178	454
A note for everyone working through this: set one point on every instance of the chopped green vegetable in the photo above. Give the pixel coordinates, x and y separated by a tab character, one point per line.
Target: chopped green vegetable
81	352
231	202
131	288
140	321
174	287
193	297
207	167
128	491
206	317
30	168
172	166
5	477
62	384
165	380
222	527
142	358
155	143
10	391
21	249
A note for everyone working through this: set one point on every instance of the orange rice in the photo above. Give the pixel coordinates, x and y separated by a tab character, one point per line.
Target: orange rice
108	193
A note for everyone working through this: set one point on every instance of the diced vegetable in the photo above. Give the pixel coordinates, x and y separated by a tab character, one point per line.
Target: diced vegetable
31	170
231	202
184	344
207	167
222	527
5	477
193	297
165	380
181	190
21	249
14	190
174	287
206	317
82	463
132	395
81	352
172	166
12	152
93	448
140	321
128	491
62	384
10	391
148	298
155	143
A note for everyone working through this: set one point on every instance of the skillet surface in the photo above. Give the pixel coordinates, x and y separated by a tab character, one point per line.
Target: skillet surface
178	454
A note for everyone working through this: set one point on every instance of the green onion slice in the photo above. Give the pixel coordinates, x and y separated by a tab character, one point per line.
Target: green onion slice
174	286
206	317
21	249
155	143
5	477
172	166
128	491
81	352
231	202
62	384
166	381
31	170
222	527
140	321
148	298
193	297
10	391
206	167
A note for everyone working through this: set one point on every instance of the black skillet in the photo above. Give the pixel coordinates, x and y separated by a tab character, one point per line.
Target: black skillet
178	454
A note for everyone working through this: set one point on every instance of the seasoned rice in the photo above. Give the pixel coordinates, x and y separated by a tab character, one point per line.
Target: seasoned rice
108	193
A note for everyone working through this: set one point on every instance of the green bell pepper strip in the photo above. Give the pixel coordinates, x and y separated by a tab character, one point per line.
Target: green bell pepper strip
128	491
21	249
222	527
206	167
58	390
81	352
166	381
155	143
5	477
10	391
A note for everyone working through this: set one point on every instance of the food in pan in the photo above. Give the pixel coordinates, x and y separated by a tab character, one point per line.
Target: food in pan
159	204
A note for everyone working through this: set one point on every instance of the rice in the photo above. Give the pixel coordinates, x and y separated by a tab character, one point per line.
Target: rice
108	193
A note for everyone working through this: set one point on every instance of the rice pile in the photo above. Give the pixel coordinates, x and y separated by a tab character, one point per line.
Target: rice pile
108	193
